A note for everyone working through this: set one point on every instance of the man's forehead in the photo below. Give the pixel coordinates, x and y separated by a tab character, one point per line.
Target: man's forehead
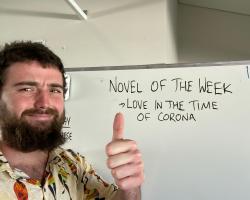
33	63
33	70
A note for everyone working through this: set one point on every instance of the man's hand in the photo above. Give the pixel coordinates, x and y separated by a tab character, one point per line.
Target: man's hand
124	158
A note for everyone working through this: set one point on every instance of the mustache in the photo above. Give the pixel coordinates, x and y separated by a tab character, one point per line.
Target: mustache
32	111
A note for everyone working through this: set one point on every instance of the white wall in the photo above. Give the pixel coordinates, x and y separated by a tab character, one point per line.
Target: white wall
128	32
117	33
207	35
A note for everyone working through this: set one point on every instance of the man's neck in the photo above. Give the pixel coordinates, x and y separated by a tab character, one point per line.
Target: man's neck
32	163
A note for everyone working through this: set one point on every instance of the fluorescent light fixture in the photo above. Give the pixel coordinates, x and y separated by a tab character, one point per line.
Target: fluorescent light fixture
77	9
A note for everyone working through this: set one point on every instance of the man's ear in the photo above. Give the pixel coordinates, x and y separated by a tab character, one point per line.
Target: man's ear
67	88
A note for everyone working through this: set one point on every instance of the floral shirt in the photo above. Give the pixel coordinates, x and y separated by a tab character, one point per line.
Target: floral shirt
67	177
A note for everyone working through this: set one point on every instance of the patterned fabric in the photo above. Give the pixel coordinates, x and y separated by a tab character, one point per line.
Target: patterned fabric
67	177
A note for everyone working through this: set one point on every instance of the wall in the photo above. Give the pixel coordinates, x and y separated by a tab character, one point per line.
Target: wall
207	35
128	32
117	32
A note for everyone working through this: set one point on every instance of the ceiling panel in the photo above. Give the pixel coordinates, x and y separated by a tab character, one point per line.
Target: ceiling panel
237	6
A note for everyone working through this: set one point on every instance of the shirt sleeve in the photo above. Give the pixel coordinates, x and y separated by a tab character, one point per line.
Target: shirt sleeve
91	184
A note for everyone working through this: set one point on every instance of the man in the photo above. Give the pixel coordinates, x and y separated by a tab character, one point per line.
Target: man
32	164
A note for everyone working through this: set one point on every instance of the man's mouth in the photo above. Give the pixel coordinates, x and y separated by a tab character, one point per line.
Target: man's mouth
40	117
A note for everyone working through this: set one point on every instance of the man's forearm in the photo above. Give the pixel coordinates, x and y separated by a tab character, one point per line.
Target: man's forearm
134	194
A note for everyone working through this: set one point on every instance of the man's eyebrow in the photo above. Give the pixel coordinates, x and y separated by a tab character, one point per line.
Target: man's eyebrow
33	83
57	85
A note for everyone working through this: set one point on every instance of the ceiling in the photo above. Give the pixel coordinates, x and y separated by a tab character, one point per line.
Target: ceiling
236	6
61	8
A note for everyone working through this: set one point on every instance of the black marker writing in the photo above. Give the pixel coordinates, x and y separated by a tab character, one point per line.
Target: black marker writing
197	105
211	87
181	85
130	86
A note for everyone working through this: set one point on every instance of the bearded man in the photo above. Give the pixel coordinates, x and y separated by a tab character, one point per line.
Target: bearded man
33	165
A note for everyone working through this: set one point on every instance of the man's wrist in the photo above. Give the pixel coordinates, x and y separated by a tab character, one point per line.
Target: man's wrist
132	194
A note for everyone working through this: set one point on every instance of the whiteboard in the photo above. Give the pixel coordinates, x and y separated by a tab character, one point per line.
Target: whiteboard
191	123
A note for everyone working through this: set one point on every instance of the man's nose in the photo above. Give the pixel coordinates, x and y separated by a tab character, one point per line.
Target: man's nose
42	99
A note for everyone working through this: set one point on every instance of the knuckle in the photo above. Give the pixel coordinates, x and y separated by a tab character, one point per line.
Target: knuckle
109	149
114	173
133	144
109	163
138	171
137	156
122	184
140	166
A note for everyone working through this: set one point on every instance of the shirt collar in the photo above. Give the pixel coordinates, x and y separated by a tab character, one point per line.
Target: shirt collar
4	164
16	174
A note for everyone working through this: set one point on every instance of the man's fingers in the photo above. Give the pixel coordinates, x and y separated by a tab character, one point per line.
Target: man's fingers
130	169
120	146
118	127
123	159
130	182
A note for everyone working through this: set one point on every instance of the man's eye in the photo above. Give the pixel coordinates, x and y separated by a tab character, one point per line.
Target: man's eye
26	89
55	90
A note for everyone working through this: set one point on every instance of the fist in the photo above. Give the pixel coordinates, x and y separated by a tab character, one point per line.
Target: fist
124	158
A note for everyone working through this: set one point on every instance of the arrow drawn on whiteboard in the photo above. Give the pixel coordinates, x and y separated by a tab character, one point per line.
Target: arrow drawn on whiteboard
247	72
122	104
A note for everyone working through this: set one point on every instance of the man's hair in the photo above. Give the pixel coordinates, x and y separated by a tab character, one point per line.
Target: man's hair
26	51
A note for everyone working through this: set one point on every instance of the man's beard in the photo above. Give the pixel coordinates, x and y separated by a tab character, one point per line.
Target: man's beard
21	135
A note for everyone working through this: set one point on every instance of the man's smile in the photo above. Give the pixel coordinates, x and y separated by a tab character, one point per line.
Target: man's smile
40	116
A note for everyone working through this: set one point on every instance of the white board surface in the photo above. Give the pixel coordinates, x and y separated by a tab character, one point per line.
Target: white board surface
195	144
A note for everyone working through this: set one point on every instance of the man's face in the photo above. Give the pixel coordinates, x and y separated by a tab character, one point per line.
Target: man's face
32	107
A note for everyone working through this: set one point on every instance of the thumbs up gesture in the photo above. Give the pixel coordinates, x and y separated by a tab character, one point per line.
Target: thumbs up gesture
124	158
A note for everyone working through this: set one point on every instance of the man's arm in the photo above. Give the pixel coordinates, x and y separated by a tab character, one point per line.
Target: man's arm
134	194
125	162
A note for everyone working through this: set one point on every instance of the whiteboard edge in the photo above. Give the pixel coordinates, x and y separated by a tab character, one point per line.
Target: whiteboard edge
158	66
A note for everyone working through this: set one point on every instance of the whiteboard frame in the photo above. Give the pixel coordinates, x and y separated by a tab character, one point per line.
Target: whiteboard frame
158	66
172	183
